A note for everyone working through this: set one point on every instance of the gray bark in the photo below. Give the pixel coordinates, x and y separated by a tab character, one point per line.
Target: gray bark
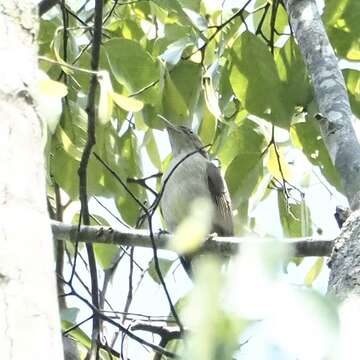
345	260
330	92
29	326
225	246
339	136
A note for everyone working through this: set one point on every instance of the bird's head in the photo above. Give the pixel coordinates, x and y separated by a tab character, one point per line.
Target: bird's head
183	139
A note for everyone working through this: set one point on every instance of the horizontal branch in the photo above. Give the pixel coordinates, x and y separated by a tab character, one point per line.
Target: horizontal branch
167	332
140	238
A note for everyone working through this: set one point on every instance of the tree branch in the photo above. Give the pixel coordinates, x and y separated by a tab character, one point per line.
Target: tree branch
84	212
301	247
330	92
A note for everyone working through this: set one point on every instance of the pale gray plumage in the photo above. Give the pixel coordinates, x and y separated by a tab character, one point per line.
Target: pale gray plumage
196	176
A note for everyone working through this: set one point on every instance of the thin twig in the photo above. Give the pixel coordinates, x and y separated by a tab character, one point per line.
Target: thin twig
91	112
149	217
218	28
121	327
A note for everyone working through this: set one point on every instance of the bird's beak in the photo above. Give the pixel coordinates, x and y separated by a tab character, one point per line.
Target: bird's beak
169	125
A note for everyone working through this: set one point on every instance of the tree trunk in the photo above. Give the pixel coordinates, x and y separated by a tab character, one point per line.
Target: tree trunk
339	136
29	326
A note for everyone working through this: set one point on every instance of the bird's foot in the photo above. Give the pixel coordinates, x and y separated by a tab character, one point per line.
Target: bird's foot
212	236
163	232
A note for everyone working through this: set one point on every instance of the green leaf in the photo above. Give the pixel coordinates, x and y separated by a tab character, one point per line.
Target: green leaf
68	145
174	106
106	254
295	218
173	32
277	165
132	66
149	116
48	87
164	265
296	89
152	149
74	124
267	27
352	79
78	334
193	5
255	81
176	11
225	90
46	35
181	92
129	29
244	139
127	103
64	168
173	52
129	165
72	49
314	271
333	11
208	125
211	97
242	176
306	135
343	27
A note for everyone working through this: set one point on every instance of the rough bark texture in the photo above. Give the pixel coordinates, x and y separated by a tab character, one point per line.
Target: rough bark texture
339	136
29	326
345	260
330	92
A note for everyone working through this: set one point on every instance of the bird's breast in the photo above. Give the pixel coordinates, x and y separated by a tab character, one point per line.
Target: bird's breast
185	183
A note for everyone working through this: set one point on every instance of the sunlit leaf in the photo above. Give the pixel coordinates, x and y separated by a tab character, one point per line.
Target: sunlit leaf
50	87
68	145
106	99
277	164
255	81
127	103
211	97
296	89
314	271
78	334
207	128
247	138
352	79
58	49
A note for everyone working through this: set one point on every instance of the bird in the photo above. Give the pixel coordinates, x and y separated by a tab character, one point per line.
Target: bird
192	175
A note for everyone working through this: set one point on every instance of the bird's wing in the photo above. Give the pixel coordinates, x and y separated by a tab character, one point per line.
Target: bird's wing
220	195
